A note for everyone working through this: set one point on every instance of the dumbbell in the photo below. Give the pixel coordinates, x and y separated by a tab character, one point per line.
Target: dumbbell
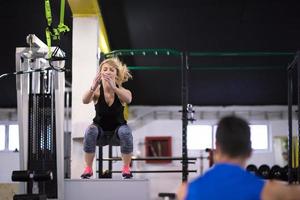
106	174
276	172
264	171
284	173
167	196
252	169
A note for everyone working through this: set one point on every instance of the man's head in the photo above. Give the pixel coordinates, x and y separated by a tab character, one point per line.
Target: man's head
233	137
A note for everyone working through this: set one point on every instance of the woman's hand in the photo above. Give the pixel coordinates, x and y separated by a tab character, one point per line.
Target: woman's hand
96	82
111	82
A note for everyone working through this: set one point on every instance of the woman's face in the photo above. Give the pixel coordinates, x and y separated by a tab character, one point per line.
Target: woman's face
108	70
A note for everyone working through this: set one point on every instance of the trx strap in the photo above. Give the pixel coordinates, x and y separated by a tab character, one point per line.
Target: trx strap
54	33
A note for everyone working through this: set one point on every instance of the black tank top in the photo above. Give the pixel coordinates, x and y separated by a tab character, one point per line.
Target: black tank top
109	117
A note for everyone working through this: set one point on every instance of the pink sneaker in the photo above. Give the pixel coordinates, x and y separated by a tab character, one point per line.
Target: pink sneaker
126	173
87	173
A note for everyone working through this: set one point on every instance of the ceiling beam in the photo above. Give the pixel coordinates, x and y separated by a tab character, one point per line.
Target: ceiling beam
89	8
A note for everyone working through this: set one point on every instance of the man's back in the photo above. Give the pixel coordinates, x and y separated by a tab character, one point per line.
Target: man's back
226	182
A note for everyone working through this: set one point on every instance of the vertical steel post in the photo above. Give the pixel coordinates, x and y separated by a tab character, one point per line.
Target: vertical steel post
290	123
298	99
184	95
100	162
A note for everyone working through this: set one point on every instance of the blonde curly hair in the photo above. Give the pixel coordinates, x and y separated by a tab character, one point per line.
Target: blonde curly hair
123	73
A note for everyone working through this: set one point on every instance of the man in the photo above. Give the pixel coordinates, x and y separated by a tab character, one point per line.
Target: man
227	179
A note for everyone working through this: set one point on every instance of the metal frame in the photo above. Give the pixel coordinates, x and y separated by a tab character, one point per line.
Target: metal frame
149	158
158	171
110	159
184	80
100	161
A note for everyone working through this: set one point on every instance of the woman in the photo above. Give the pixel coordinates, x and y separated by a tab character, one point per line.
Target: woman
109	125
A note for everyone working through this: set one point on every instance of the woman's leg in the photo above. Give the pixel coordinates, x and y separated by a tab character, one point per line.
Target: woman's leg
126	143
89	147
126	159
89	158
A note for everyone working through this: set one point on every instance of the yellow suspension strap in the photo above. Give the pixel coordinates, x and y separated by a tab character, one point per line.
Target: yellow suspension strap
54	33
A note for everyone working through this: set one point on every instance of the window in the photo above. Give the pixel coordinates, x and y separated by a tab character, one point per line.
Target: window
200	137
259	137
2	137
9	137
13	137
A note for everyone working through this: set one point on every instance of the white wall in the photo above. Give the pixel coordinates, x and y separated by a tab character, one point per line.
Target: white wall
170	182
156	122
166	121
9	162
84	68
160	182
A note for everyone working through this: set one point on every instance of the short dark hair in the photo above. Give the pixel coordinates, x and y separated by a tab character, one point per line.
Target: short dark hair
233	137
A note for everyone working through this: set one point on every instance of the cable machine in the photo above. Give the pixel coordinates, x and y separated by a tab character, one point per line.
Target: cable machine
40	101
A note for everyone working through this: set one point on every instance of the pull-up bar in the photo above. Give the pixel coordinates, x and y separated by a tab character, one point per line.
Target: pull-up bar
210	67
234	54
172	52
143	52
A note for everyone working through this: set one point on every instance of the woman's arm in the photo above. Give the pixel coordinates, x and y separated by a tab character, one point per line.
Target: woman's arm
89	95
124	95
92	93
